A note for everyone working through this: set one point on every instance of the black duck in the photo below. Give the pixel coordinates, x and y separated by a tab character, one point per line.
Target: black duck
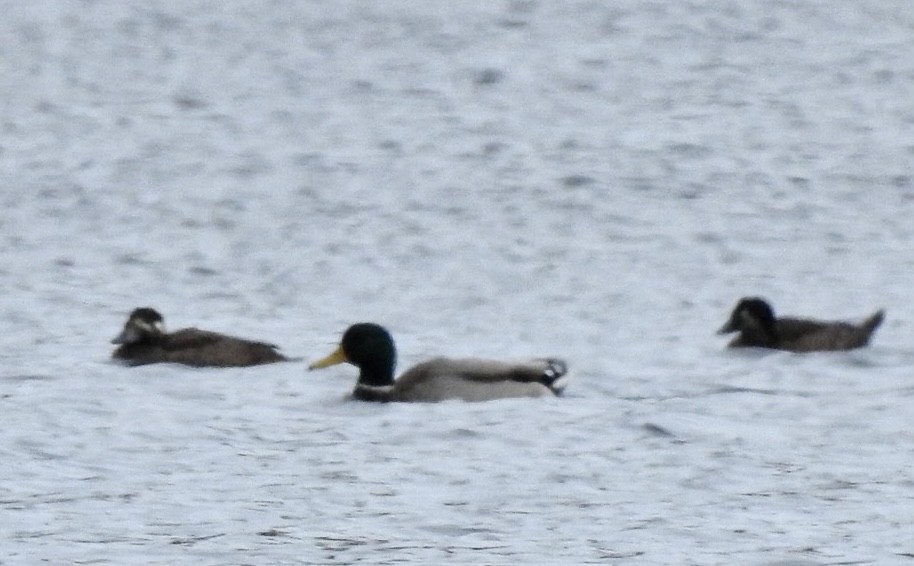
754	320
145	341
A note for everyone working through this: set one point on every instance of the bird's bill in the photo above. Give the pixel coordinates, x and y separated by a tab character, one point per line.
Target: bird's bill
127	336
337	357
729	327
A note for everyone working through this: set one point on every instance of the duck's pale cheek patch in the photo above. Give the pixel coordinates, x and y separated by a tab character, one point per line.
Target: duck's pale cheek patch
147	327
128	335
746	319
159	326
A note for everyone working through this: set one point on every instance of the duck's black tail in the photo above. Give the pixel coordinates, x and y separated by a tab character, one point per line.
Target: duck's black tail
555	376
872	323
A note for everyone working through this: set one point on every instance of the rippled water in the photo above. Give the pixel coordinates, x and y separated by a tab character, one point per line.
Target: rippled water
597	181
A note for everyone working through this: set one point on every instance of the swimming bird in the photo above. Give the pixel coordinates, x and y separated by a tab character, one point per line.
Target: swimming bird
370	347
145	341
754	319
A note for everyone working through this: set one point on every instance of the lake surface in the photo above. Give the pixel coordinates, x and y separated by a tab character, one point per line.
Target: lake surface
595	181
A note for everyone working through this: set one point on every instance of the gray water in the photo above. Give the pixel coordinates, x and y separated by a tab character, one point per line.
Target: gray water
596	181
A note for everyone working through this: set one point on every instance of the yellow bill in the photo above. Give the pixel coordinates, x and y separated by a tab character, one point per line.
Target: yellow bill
337	357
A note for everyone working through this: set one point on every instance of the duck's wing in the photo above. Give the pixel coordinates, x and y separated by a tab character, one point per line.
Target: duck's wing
175	347
188	338
812	336
792	329
195	347
480	380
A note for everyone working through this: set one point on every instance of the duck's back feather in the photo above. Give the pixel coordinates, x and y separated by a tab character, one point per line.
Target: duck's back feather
811	336
195	347
442	379
807	335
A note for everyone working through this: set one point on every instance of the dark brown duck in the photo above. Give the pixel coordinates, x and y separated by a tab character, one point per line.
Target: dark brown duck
145	341
754	320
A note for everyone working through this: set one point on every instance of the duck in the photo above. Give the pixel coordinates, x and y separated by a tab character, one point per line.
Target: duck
370	347
145	341
754	320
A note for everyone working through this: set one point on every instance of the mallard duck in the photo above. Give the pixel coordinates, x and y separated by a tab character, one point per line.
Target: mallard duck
145	341
754	319
370	348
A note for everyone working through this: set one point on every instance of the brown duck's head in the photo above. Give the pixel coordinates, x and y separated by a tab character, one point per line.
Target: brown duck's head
144	325
750	313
